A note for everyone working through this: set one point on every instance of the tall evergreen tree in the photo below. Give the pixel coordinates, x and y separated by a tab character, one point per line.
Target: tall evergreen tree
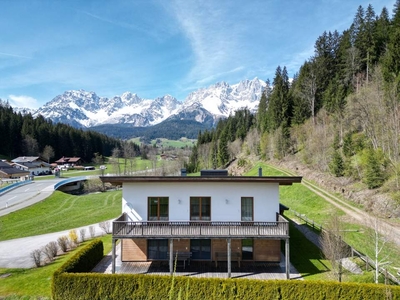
223	154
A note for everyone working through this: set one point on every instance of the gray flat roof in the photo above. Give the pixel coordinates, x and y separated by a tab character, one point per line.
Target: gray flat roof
281	180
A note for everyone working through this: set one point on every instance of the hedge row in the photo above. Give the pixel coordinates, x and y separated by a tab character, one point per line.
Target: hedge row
67	285
83	260
129	286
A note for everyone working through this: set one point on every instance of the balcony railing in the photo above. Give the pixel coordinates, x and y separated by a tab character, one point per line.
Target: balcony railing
196	229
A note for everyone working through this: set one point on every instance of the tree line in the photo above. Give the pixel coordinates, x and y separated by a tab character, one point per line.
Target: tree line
340	112
28	136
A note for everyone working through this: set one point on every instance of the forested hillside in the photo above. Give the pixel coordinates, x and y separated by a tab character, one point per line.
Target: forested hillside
25	135
340	114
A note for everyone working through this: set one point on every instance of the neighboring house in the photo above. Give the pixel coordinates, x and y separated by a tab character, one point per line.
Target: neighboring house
168	156
69	161
8	171
32	164
211	217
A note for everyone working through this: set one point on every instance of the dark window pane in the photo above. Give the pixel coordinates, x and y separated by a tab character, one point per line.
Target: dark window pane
206	209
157	249
201	249
247	208
194	208
164	209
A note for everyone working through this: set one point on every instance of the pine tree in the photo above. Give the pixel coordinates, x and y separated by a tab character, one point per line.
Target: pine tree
373	174
261	112
336	165
223	154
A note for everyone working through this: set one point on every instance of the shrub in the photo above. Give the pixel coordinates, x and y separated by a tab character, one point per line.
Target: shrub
36	255
131	286
63	243
92	231
242	162
50	250
105	226
82	233
73	237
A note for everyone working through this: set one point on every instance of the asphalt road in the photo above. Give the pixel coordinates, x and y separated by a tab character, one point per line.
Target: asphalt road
17	253
26	195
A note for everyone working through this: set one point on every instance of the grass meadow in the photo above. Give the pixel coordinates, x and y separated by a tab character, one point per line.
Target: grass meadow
35	283
305	202
60	212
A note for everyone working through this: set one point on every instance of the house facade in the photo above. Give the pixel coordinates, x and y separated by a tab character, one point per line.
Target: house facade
69	161
7	171
32	164
213	217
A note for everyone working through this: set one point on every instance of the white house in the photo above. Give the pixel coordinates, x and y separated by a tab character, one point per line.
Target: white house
32	164
212	217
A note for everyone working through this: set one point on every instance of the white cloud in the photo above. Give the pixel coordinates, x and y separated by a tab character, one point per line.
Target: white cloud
23	101
214	36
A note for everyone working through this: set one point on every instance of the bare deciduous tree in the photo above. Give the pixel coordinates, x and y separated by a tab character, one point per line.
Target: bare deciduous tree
50	250
378	233
92	231
105	226
116	154
63	243
82	233
48	153
36	255
333	246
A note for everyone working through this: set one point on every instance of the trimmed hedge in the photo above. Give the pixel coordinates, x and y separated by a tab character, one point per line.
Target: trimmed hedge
67	285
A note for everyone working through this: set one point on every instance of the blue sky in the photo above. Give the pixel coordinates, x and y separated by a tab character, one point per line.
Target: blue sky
158	47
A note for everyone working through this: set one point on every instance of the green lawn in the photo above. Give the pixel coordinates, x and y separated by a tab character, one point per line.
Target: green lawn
299	198
60	212
35	283
306	257
181	143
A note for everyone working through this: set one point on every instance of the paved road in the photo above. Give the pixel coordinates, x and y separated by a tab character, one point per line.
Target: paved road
26	195
17	253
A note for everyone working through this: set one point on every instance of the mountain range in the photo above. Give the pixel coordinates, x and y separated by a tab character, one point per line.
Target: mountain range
205	106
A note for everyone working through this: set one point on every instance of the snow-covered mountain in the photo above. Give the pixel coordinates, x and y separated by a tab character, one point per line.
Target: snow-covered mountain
221	100
86	109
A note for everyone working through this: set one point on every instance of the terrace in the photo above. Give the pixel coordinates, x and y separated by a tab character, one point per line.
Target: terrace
123	229
199	229
247	270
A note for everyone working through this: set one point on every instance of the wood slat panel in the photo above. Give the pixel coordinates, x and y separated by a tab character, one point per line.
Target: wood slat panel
267	250
134	250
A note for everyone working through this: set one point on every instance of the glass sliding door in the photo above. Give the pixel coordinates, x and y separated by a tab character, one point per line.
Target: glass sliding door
201	249
157	249
158	208
200	208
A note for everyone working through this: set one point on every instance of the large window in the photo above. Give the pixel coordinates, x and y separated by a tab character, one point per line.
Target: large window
247	249
157	249
247	208
158	208
200	208
201	249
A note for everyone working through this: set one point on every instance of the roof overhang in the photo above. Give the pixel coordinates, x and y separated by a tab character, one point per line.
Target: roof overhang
281	180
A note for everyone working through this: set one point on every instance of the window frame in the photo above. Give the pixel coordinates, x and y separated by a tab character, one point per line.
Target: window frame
241	209
200	217
149	211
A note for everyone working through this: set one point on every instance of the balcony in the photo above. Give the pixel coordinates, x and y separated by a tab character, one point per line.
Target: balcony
200	229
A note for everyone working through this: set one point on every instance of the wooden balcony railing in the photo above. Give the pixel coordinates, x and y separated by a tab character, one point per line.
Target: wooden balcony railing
204	229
